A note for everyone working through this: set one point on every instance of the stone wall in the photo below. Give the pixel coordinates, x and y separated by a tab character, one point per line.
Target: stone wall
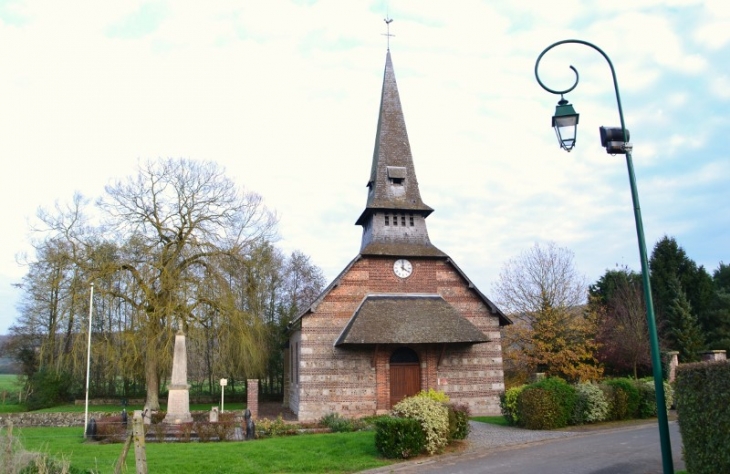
49	419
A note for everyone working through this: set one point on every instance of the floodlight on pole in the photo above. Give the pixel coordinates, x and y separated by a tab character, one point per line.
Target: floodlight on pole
616	141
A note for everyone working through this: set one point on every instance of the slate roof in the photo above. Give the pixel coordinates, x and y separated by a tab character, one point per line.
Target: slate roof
408	319
402	249
392	150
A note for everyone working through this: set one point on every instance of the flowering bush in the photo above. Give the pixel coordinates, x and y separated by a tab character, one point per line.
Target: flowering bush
433	417
434	395
590	404
508	401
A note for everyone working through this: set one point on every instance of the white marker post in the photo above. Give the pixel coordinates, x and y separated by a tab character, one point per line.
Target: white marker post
224	382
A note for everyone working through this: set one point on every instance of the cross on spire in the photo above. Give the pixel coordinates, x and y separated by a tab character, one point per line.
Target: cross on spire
388	21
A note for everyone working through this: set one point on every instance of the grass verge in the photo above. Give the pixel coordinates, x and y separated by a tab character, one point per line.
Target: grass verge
492	420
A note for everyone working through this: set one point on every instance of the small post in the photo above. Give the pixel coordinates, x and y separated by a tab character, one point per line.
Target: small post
9	445
224	383
140	454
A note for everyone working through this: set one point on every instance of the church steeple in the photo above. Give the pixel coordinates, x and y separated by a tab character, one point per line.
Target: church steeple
394	219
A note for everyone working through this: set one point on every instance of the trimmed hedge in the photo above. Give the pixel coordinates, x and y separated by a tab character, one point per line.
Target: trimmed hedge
702	392
546	405
399	437
623	398
552	402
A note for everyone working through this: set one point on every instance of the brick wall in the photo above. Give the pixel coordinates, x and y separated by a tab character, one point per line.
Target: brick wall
354	381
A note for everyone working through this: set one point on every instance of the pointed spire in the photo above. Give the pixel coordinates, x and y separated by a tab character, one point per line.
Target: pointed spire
393	184
393	187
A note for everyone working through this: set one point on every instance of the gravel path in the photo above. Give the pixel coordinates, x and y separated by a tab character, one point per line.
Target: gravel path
486	435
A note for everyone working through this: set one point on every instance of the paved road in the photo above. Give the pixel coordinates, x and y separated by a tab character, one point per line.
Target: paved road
627	450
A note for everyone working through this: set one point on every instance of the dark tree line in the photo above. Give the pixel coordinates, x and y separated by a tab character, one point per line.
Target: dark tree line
692	310
178	245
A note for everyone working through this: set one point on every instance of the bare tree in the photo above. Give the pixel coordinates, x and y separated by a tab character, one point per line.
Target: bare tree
545	296
180	220
623	334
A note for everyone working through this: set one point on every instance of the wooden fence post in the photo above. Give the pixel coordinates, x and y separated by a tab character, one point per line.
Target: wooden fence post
123	457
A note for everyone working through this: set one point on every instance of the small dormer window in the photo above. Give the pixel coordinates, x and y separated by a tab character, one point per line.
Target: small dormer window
396	174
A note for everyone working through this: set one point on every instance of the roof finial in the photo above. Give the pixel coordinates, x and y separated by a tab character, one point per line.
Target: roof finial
388	21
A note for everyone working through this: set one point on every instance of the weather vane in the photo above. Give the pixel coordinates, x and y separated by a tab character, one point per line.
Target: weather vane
388	21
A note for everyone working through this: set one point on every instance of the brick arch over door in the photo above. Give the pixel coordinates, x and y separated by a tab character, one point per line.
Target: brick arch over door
405	374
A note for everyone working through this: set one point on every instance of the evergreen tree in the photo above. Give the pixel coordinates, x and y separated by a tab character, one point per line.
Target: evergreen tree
718	337
668	262
685	334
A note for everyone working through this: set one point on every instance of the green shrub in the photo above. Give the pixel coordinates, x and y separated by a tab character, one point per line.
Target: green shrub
399	437
647	398
337	424
668	396
508	402
458	421
433	417
546	404
434	395
703	409
590	404
623	398
266	428
48	388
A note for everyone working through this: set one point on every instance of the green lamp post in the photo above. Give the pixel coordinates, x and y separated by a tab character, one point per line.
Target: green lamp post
616	142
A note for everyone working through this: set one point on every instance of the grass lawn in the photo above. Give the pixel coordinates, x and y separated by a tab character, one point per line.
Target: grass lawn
9	383
9	389
330	453
492	420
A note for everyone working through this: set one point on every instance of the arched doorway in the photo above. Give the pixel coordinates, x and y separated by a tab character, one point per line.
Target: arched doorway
405	374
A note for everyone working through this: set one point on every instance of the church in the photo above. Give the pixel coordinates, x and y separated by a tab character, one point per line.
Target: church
401	317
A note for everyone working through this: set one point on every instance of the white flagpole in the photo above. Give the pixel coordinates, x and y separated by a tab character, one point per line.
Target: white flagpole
88	360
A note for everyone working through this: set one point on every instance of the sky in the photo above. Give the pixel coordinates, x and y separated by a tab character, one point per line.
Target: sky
285	94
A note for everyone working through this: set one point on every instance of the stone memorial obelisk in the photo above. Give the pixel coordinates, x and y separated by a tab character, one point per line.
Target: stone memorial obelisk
178	398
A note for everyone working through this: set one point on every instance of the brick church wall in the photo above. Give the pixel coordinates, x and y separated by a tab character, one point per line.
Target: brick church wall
354	380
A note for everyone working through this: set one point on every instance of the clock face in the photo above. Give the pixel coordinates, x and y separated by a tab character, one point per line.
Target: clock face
402	268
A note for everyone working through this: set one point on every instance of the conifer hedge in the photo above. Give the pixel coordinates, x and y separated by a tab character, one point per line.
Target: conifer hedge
702	393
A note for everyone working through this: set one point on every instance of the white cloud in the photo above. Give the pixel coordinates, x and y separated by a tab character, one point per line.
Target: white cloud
285	96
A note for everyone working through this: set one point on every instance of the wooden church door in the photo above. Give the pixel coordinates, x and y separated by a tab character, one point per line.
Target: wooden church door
405	375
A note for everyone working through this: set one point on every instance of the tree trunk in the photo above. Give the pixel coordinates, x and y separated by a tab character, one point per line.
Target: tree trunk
152	378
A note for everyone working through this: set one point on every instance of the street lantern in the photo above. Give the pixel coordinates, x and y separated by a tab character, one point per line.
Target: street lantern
565	122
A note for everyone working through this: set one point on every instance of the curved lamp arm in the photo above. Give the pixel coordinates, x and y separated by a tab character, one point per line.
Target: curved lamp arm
575	71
